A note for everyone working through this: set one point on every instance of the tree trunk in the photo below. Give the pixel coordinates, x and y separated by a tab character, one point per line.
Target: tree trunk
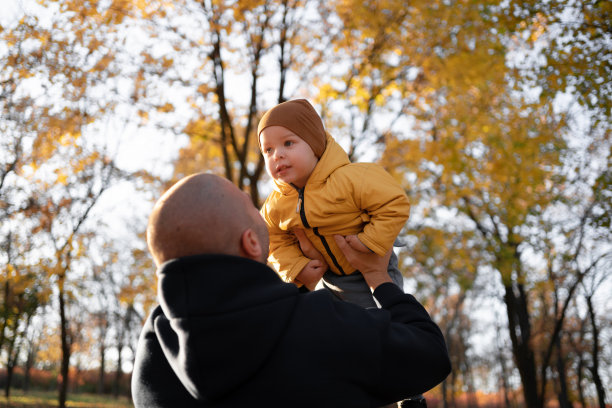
6	310
594	368
468	379
28	370
452	401
576	345
580	374
63	386
9	380
503	375
444	393
9	369
562	394
447	384
520	335
6	307
12	355
102	367
32	349
118	373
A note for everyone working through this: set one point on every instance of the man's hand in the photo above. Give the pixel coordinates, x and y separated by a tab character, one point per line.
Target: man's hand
311	274
372	266
306	246
356	244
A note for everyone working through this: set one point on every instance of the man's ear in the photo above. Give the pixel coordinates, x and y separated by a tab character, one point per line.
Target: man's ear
250	245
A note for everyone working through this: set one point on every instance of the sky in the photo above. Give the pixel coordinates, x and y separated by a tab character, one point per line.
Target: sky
122	207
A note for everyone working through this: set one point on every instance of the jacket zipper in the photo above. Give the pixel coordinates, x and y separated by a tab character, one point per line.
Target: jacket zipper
300	209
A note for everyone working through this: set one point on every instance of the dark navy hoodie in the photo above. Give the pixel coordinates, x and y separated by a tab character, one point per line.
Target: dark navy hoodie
229	333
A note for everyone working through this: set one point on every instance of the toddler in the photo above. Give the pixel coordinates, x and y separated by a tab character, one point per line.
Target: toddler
317	190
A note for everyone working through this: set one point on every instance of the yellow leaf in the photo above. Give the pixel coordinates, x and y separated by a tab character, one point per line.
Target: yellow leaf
168	107
62	178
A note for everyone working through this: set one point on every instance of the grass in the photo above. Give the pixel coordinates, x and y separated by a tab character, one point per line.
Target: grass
48	399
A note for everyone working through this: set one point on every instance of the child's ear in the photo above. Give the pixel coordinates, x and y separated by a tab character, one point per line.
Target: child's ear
250	245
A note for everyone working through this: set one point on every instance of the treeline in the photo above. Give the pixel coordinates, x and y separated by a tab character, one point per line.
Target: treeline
80	382
494	115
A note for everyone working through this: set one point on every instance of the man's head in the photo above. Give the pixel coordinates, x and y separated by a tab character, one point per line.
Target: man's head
206	214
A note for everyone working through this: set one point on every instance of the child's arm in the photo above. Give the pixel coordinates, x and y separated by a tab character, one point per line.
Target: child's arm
314	270
285	255
311	274
387	205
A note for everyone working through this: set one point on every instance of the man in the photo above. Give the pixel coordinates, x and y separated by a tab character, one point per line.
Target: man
229	333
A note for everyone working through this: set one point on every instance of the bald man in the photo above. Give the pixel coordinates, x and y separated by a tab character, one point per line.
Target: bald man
229	333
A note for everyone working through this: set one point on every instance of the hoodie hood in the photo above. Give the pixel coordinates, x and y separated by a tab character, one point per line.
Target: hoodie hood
212	316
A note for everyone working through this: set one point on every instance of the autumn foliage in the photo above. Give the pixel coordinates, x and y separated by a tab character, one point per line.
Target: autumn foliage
494	116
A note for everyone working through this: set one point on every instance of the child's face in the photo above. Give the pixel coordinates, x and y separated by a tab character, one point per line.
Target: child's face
288	157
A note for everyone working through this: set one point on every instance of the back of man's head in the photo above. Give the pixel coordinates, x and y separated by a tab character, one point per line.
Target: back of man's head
202	214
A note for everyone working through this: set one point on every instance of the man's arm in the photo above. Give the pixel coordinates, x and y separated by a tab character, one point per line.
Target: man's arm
372	266
418	354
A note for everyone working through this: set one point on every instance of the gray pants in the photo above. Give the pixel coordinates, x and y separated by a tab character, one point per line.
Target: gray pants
353	288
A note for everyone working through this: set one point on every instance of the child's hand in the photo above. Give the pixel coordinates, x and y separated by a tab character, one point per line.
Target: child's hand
312	273
356	244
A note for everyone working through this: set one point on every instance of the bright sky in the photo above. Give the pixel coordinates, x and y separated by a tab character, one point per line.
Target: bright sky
138	148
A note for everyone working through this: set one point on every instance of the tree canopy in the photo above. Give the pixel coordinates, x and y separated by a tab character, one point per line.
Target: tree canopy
494	116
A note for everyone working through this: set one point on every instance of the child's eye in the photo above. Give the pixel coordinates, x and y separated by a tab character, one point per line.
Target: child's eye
288	143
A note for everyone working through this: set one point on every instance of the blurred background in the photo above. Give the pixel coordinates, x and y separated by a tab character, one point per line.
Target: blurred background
493	114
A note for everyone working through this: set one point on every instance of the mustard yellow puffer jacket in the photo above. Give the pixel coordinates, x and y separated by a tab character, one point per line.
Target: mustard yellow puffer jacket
339	198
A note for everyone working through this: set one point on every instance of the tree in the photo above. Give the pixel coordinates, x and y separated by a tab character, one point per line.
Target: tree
594	284
121	285
258	43
443	269
481	147
59	76
570	42
463	101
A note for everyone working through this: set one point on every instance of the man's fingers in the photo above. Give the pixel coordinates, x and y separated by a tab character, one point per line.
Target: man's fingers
308	249
302	238
364	262
341	241
387	256
316	264
299	233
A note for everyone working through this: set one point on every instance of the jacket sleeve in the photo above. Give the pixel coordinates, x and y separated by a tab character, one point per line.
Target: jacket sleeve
414	354
285	257
387	206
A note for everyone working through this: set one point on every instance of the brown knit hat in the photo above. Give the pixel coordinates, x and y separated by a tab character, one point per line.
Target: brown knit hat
299	117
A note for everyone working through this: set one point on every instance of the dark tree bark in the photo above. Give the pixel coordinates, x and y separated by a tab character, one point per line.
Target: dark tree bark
594	368
66	348
562	395
102	368
520	334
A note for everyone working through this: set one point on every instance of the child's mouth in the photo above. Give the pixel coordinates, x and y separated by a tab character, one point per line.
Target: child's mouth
281	169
